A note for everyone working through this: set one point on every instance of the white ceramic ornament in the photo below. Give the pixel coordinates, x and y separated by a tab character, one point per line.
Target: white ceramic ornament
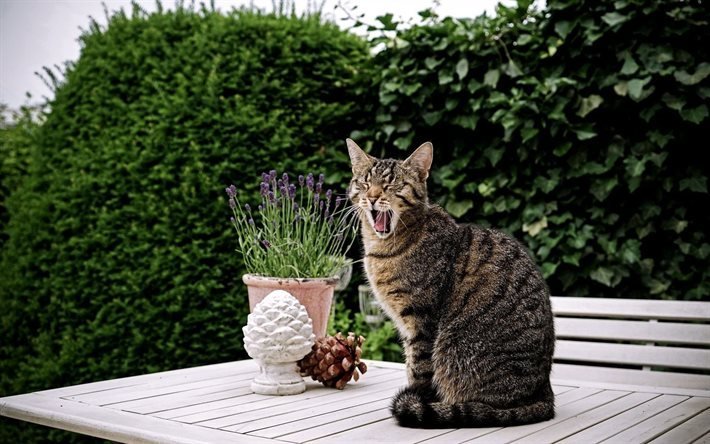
278	333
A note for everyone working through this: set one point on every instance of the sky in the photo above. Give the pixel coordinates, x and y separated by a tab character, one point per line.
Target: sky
38	33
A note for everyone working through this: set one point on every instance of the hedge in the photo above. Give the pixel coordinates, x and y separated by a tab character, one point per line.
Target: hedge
579	129
119	258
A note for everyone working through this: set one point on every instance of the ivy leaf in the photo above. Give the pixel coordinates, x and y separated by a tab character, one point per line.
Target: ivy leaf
445	78
562	28
602	275
512	69
621	88
431	63
695	115
630	66
702	71
433	117
589	104
584	134
462	68
657	286
548	269
524	39
491	78
493	155
528	133
534	228
614	18
631	251
602	187
636	87
458	208
673	102
698	184
468	121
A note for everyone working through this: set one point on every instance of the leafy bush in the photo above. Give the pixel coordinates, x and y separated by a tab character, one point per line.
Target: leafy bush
577	129
17	132
120	259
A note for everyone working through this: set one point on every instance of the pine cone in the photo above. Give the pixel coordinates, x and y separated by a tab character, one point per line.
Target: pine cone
334	360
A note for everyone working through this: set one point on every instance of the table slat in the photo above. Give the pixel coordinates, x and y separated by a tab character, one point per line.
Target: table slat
323	410
587	419
662	422
562	413
625	420
687	432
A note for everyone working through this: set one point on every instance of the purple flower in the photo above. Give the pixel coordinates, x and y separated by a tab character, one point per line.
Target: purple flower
272	198
265	177
328	195
321	178
321	204
316	198
231	191
261	207
292	191
284	191
232	203
248	208
266	244
319	187
272	174
309	181
232	220
251	221
301	180
284	178
264	190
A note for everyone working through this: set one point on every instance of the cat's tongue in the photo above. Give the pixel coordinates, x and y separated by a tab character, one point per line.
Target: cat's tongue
381	221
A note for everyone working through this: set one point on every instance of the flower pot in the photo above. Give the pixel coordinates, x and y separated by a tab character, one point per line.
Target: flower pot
315	294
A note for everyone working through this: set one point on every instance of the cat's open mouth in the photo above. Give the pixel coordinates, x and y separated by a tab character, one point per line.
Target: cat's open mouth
382	221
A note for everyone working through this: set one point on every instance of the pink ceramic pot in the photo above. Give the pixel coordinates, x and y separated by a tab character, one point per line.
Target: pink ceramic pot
315	294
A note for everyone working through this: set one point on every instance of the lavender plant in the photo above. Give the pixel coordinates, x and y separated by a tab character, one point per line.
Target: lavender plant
299	230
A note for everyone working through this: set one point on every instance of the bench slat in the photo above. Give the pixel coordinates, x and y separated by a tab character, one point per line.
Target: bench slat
597	352
631	308
643	331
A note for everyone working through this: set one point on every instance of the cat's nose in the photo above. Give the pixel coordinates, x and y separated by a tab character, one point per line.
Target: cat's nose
372	200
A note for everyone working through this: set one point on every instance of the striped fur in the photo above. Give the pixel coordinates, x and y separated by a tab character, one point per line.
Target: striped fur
471	307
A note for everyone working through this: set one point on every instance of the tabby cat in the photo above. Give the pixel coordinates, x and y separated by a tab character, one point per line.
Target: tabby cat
471	307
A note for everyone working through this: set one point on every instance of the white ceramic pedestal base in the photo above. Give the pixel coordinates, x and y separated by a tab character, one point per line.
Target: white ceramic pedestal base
278	378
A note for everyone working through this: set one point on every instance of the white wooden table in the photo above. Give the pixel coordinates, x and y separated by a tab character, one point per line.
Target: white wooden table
214	404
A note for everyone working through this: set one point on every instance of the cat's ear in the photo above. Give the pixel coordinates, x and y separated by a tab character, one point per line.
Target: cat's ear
421	159
360	160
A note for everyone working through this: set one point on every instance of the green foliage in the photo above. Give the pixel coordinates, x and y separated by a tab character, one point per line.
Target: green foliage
577	129
17	135
381	343
120	257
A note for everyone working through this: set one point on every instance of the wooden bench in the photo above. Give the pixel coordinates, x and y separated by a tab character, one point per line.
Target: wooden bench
633	341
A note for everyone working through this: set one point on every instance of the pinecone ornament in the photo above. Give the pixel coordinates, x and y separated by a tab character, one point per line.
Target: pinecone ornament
278	333
334	360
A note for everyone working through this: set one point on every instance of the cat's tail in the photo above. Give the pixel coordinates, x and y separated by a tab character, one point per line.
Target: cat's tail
411	409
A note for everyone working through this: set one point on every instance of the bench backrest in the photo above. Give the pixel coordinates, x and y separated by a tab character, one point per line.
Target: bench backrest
645	342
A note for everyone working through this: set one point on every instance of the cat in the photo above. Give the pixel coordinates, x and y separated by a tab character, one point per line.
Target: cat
471	307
